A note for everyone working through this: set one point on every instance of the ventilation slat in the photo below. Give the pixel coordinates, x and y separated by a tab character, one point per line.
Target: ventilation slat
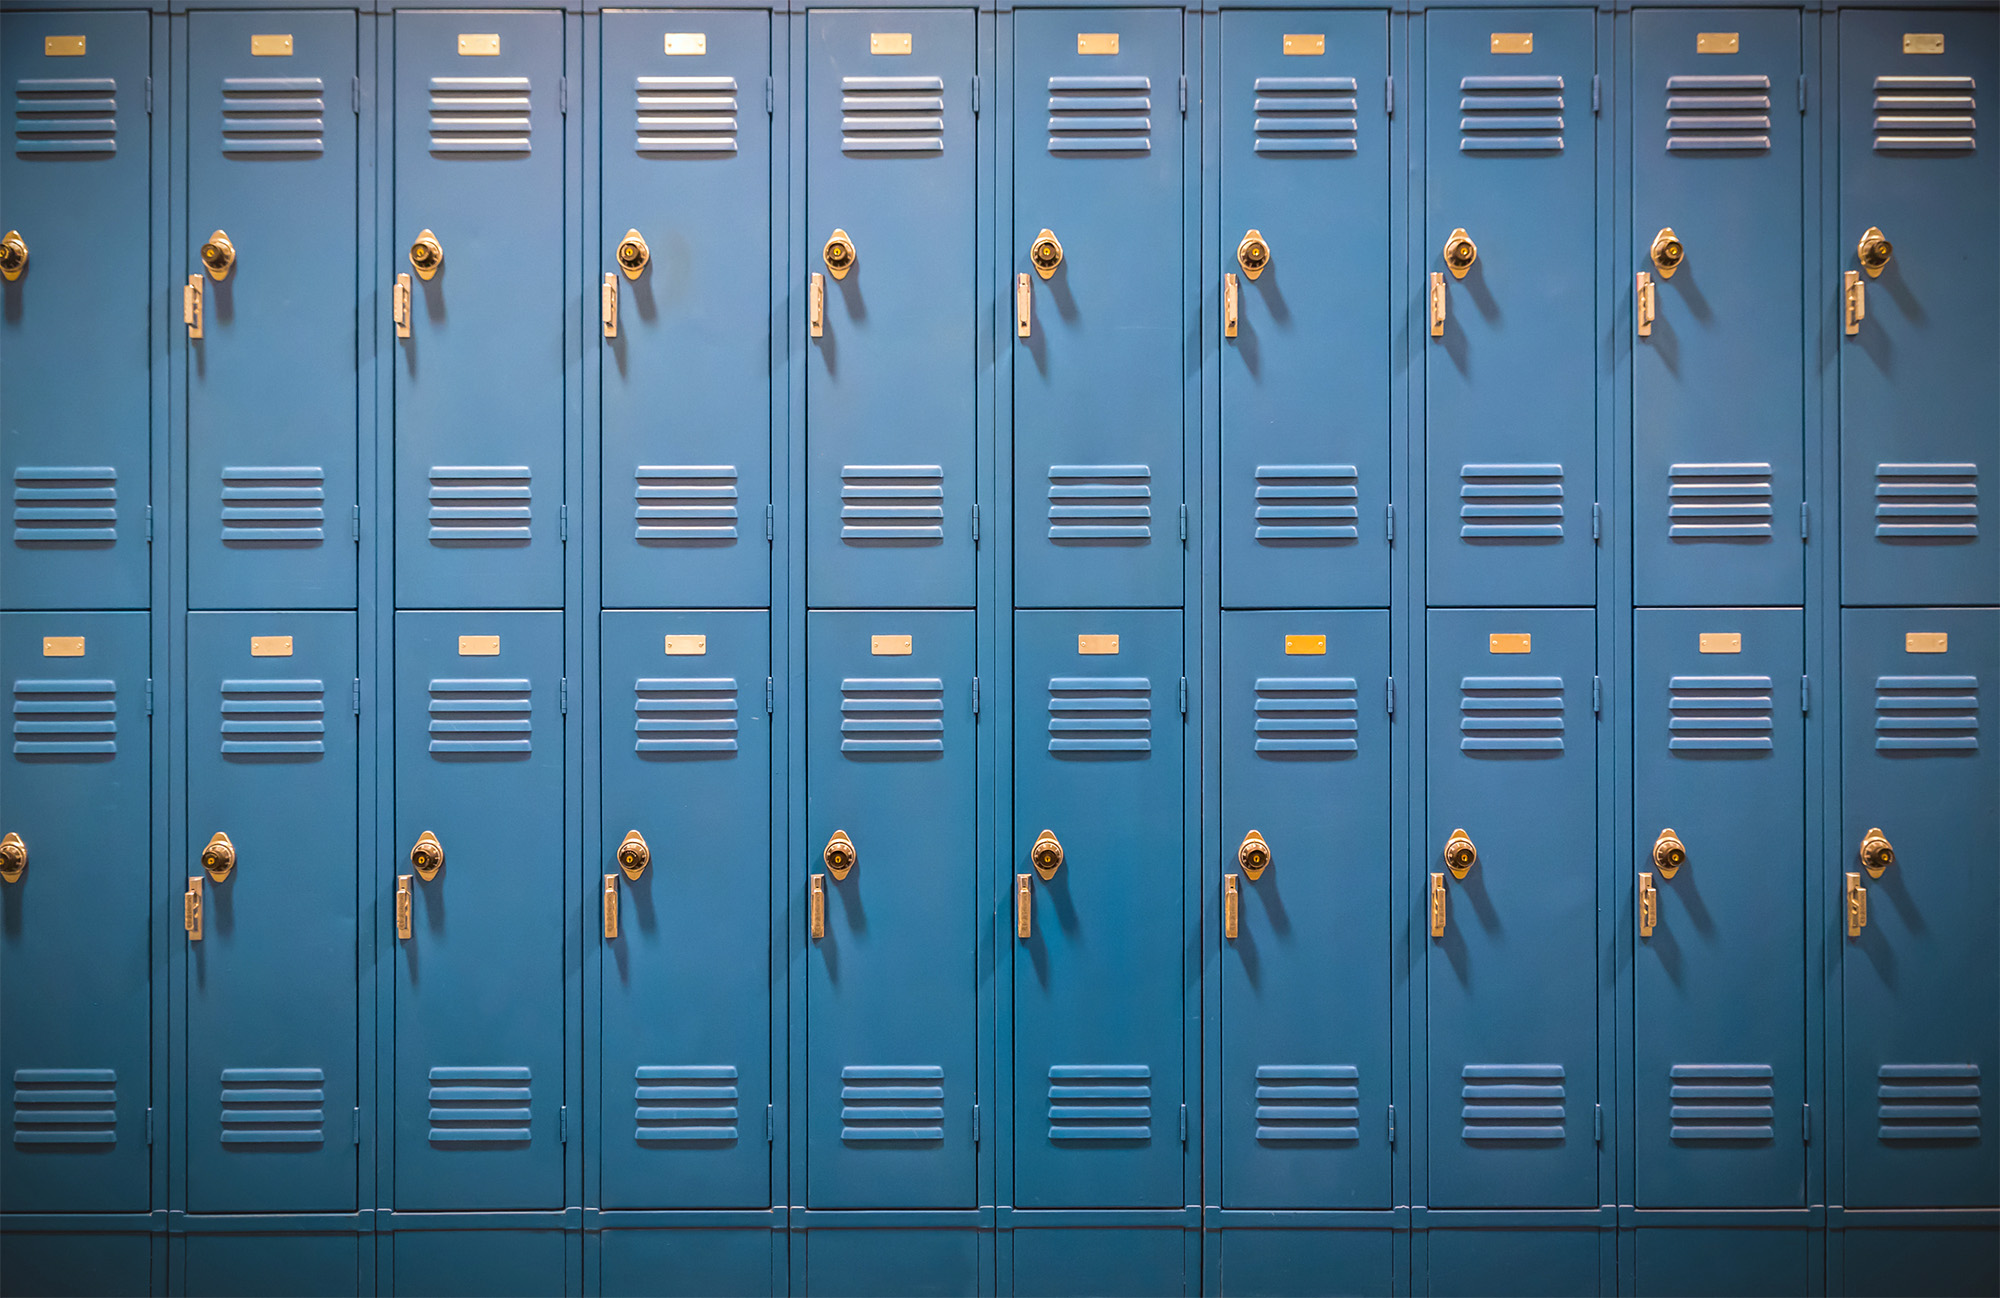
1511	502
1720	1102
63	720
65	1106
1307	714
273	1106
475	1105
273	718
685	115
1719	714
1719	502
892	115
474	116
1312	503
1307	1103
683	503
891	715
1930	503
65	116
684	1104
267	115
1078	1111
1100	502
485	716
59	505
876	1104
1513	1102
1510	115
1100	714
1100	115
1511	714
1711	114
892	502
1927	715
262	505
1926	115
692	716
481	503
1928	1103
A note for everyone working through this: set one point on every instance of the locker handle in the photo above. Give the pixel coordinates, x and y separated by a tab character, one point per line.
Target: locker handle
1231	309
607	304
1645	303
191	908
1024	906
1024	306
816	304
218	255
1046	253
1047	854
13	857
610	906
1874	252
1254	855
1877	853
1667	251
219	857
399	306
427	855
1669	853
1459	253
633	254
1460	854
403	906
634	855
426	255
818	907
1437	304
1857	904
1253	254
1437	903
1649	904
1856	301
191	302
839	254
13	255
1232	896
839	854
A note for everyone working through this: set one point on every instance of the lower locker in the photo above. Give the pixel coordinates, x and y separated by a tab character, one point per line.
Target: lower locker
1897	1256
1717	1262
480	1262
1501	1261
268	1262
873	1262
1142	1261
114	1264
1305	1262
690	1262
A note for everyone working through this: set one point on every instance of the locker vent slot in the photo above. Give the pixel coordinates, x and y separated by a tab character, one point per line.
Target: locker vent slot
1100	1102
1720	1102
1511	714
65	720
1511	502
482	717
1932	502
1305	115
1100	714
683	1104
65	1106
273	115
1719	714
889	1104
1706	114
273	718
480	1105
686	115
892	115
65	115
891	714
481	502
1924	114
1100	502
65	504
1928	1102
684	714
1718	502
480	115
1300	1102
284	504
273	1106
1513	1102
1511	115
1100	114
1307	502
1927	714
1307	714
892	502
684	502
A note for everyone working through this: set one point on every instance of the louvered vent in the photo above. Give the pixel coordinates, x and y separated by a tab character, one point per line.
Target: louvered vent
490	716
1100	714
1306	714
1513	1102
1924	114
1718	502
1089	1102
273	1106
65	115
887	714
1719	714
1308	1102
1511	502
1305	115
887	1104
1510	115
1307	502
273	115
684	502
480	115
1096	502
1100	114
1926	1102
1929	501
281	503
1720	1102
1927	714
55	504
480	1105
65	1106
61	720
892	502
683	1104
892	115
1706	114
686	115
273	718
481	502
1511	714
684	714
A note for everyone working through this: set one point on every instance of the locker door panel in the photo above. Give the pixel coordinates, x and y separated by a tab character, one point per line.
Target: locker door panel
1511	383
1098	382
479	380
1719	1077
892	987
74	1041
1098	983
75	420
687	379
1513	979
479	1039
1306	991
1718	385
272	381
687	979
1920	992
1305	444
891	148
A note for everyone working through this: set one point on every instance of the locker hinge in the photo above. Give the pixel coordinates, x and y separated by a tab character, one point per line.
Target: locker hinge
1183	114
562	94
563	1123
1597	1124
149	113
562	523
565	696
1596	695
1802	92
975	113
975	1124
1805	1110
1184	1124
1392	1126
1392	696
149	525
1596	93
1389	102
1183	696
770	522
1805	520
770	95
975	524
770	695
149	1111
1389	523
770	1126
149	696
357	1124
1596	520
357	696
1805	694
354	94
975	696
1183	521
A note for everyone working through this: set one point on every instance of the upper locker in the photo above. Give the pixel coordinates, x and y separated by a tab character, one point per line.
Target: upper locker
1098	275
1919	392
75	405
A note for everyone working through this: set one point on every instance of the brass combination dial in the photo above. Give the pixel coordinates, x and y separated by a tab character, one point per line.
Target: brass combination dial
1047	855
1669	853
1459	854
839	854
1459	253
1876	853
427	856
218	255
1668	252
219	857
633	855
1254	855
427	255
13	857
1046	253
1874	252
633	254
13	254
840	256
1253	254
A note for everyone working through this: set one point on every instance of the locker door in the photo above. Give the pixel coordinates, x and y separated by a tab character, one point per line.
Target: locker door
1098	983
892	1007
1718	383
479	1033
1919	393
1511	382
271	381
891	379
1098	380
687	374
74	1039
1305	444
271	766
1921	763
1513	977
687	977
1305	989
479	378
76	410
1719	1076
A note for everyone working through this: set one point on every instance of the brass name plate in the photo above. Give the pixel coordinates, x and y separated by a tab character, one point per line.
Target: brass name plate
269	46
479	43
1305	644
1722	642
270	646
1499	643
687	42
1302	44
889	646
686	646
478	646
888	42
1513	42
1715	42
62	646
1913	43
1097	644
1916	642
1097	42
63	47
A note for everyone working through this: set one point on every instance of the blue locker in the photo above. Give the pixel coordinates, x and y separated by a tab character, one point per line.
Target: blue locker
115	1264
479	295
1895	1257
74	938
1510	375
684	308
1128	1261
1497	1260
1305	444
1719	789
271	222
688	1262
684	877
1913	874
892	307
272	1102
481	1262
1099	364
1699	1262
1097	875
76	191
873	1261
1512	946
1919	393
479	976
268	1262
1718	380
1306	925
1284	1260
892	934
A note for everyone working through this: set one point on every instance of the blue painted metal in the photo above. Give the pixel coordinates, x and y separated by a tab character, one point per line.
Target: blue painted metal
686	1261
1290	1259
1723	1260
480	1261
1894	1254
864	1262
1108	1260
269	1261
1508	1258
112	1263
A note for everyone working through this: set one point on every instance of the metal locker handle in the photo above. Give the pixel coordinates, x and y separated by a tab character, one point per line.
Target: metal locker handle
1437	904
1024	306
1646	305
1877	854
1857	301
1437	304
399	305
218	255
818	907
1230	304
816	305
191	300
1024	905
13	255
403	906
1232	902
610	906
1649	904
607	304
1857	904
13	857
191	907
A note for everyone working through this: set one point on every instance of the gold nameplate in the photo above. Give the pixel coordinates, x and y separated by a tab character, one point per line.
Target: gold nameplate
478	646
62	47
1097	644
687	42
686	646
270	646
888	646
1097	42
62	646
1913	43
268	46
1513	42
888	42
1314	44
1305	644
1715	42
1721	642
1916	642
473	43
1508	644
